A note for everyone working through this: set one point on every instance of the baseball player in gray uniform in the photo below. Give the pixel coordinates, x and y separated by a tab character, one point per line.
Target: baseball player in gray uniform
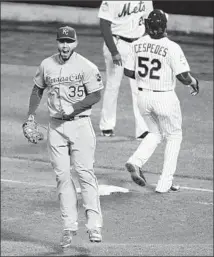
155	62
121	23
73	86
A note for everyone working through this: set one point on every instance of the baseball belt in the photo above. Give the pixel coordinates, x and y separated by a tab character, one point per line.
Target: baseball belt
145	89
71	118
129	40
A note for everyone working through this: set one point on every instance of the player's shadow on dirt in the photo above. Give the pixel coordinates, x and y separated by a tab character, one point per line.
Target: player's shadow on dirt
16	237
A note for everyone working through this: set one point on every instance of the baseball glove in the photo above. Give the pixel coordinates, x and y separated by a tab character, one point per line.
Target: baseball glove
31	131
194	88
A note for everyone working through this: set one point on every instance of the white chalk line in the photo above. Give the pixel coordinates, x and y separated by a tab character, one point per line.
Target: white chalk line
205	203
195	189
102	187
198	189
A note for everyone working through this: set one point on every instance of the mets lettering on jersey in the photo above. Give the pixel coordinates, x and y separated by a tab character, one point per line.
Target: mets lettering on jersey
66	86
127	17
128	11
156	60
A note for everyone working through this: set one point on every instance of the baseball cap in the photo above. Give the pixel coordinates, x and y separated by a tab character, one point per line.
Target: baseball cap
66	33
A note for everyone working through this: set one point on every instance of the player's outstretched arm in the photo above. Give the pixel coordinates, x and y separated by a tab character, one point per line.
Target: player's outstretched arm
30	127
189	81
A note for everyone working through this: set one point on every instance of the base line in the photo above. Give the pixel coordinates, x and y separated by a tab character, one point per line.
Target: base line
101	186
103	189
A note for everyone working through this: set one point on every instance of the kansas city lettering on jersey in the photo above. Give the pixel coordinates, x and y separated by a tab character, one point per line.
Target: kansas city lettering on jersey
152	48
127	9
71	78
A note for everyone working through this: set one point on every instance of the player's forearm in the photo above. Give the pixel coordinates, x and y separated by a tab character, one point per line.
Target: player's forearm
186	78
86	103
105	27
35	100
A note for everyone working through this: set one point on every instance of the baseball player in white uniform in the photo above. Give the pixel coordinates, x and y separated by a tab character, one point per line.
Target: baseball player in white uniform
121	23
73	86
155	62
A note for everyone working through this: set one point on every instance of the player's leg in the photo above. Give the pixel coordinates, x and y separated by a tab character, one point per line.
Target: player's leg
114	75
83	160
140	125
147	145
60	160
170	119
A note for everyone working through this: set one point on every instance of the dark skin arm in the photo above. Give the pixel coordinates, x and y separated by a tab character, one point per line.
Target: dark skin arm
35	100
186	79
105	27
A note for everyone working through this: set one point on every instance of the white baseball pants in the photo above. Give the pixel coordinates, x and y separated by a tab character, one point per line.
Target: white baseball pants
78	138
114	74
162	113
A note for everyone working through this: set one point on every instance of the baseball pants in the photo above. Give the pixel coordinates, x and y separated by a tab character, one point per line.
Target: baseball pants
162	113
72	143
114	74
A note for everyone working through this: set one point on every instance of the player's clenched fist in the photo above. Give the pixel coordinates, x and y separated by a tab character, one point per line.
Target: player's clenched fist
67	110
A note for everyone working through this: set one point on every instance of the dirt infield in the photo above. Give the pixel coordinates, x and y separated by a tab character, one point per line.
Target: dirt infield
137	223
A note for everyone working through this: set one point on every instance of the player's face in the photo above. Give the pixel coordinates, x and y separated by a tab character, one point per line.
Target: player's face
66	47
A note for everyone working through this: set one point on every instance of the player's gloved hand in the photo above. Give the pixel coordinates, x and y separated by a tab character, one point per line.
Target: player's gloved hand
194	87
31	131
117	60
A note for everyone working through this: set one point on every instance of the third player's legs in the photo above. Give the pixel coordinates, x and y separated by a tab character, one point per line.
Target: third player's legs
114	75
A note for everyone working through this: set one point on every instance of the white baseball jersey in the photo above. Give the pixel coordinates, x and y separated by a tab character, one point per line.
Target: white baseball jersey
69	82
127	17
156	63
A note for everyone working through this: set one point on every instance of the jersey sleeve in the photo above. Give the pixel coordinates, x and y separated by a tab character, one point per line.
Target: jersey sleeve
106	11
39	77
130	61
179	62
92	79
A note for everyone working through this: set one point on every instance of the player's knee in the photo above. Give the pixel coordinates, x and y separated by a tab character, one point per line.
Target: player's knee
62	176
153	138
86	176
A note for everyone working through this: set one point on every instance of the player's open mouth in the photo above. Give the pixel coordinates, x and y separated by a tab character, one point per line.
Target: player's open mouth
65	51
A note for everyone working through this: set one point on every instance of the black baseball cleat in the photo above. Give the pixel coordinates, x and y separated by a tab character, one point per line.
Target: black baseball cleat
136	174
173	188
107	133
